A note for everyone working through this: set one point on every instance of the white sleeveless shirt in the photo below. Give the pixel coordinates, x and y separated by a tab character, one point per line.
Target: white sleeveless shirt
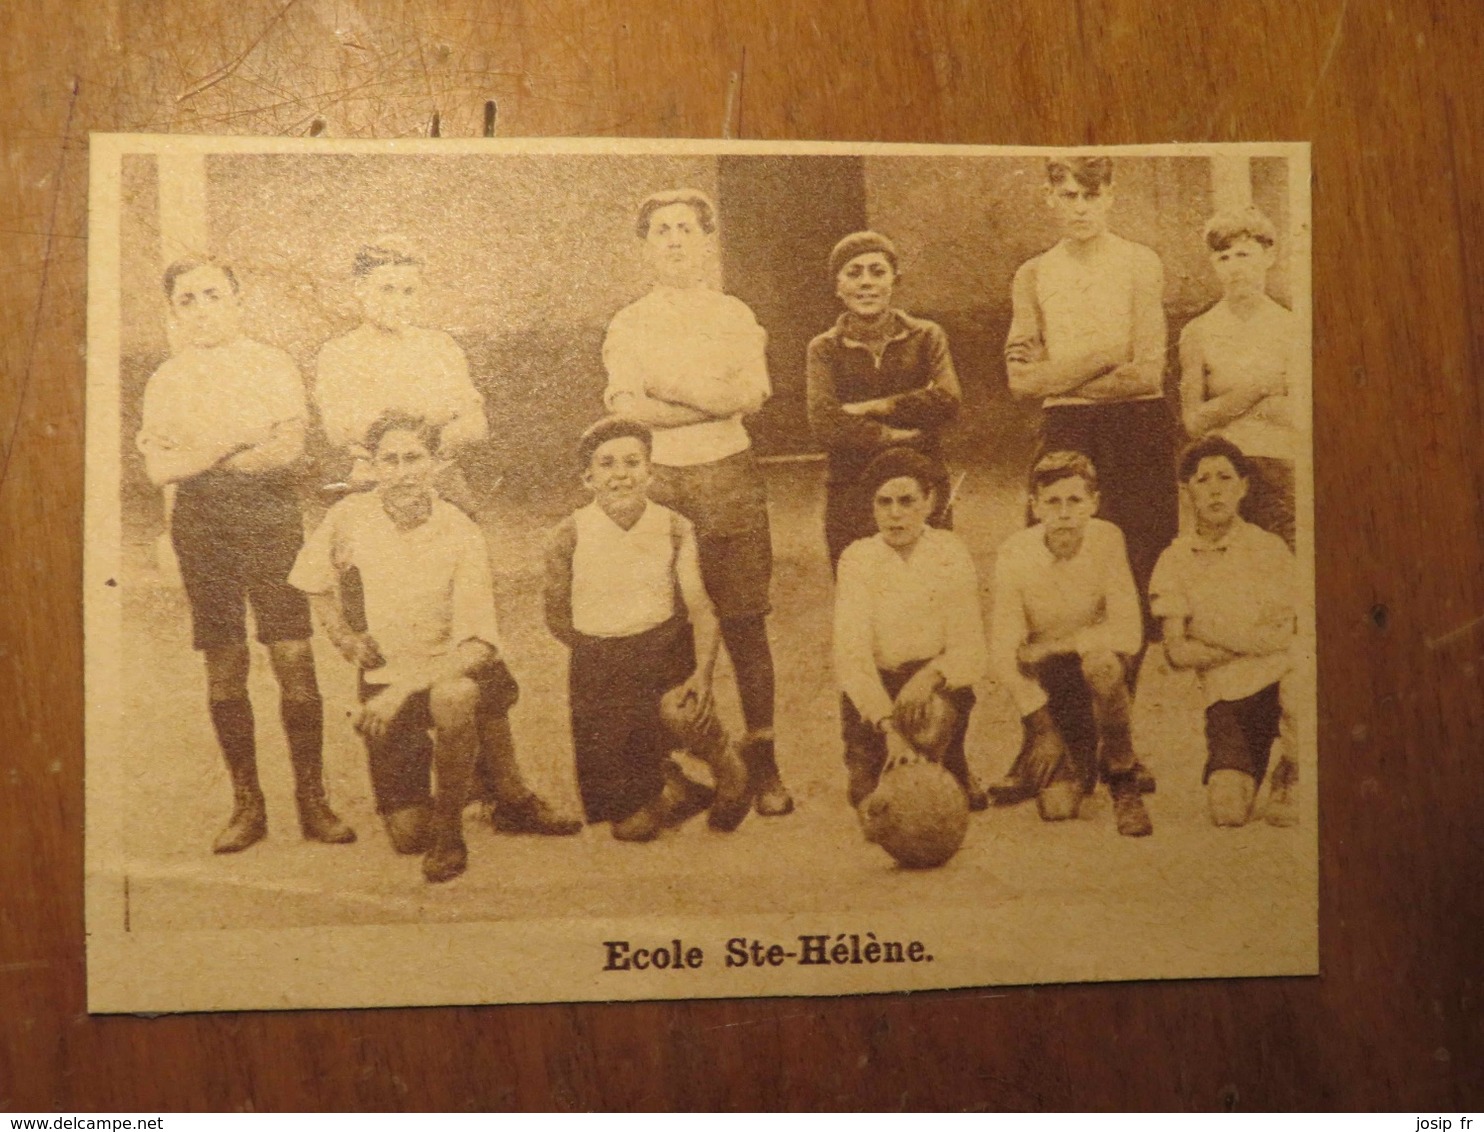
623	581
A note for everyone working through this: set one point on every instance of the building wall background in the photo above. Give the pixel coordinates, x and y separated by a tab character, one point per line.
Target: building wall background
529	257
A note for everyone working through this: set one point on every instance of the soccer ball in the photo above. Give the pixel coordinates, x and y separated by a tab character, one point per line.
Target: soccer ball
917	813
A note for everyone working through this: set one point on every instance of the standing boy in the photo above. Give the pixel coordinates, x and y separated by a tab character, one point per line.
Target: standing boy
1065	624
689	362
430	654
1088	339
1225	595
624	593
1237	361
224	420
878	379
389	363
909	635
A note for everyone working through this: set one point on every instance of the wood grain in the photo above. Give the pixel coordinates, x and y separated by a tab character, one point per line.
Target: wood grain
1389	94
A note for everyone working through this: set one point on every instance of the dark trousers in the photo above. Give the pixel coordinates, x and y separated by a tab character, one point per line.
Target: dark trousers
865	747
1240	733
401	761
1132	446
619	739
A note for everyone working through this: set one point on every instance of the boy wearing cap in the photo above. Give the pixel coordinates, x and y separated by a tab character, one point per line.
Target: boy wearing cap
909	635
1088	339
690	363
877	379
1065	624
624	592
224	421
1225	595
429	656
1236	362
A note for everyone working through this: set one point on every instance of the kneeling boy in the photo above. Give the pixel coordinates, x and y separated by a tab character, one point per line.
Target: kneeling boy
624	593
909	635
430	657
1225	595
1066	621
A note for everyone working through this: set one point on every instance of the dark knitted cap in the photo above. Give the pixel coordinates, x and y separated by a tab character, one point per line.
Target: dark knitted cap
860	243
600	432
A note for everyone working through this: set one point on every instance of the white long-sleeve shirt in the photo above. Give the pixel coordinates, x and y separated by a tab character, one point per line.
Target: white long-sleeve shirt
209	397
1037	596
890	611
361	375
672	334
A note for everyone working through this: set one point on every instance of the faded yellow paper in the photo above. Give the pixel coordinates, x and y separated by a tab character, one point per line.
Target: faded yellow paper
525	253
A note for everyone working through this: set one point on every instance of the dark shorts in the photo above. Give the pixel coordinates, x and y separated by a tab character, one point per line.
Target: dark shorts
401	761
1069	700
727	501
1132	446
236	537
619	740
1240	734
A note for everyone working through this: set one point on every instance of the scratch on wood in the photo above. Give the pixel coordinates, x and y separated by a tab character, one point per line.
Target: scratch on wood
756	1021
1434	643
1329	54
733	108
227	69
24	965
46	264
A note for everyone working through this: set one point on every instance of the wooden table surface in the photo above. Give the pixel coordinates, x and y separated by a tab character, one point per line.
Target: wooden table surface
1387	90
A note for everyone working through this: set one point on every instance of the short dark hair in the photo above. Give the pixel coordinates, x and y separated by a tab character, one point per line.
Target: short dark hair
600	432
1250	223
902	461
397	420
1209	447
1093	173
189	264
699	203
1057	466
383	253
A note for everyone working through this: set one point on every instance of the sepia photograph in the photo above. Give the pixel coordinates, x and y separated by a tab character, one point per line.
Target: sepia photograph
565	570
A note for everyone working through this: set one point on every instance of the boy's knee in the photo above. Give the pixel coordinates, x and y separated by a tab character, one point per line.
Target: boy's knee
293	665
1103	672
452	703
1059	801
407	829
1229	794
226	672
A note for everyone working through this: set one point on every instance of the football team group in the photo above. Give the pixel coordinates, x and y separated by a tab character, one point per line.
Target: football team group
672	559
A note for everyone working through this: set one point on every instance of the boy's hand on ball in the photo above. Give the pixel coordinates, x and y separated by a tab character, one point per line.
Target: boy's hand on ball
912	701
